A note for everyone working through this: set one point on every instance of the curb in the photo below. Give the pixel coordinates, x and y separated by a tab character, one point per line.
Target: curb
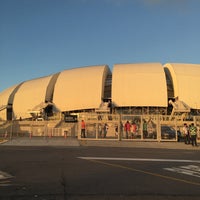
2	141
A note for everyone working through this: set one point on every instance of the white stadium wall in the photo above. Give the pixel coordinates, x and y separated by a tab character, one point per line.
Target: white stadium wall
186	82
133	85
80	88
30	94
4	97
139	85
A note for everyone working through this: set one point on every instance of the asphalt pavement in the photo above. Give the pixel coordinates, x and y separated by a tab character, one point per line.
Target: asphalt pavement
100	173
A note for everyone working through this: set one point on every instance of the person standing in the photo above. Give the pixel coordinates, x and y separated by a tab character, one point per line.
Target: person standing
127	128
145	133
83	129
193	134
133	130
100	130
116	130
105	128
186	134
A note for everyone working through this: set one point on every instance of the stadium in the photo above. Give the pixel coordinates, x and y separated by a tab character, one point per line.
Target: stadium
136	92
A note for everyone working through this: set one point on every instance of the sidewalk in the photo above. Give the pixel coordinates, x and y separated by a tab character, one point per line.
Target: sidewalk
73	142
41	141
139	144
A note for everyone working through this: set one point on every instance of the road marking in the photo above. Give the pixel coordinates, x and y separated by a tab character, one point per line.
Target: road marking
4	175
99	161
5	183
140	159
191	170
4	179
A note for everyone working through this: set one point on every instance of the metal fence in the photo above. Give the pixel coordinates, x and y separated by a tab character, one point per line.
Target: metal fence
31	129
104	127
148	127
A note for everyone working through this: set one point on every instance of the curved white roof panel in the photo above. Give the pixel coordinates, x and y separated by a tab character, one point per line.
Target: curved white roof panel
80	88
4	98
139	85
186	82
30	94
4	95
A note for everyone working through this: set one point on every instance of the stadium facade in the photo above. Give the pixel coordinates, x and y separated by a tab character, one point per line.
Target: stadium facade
142	88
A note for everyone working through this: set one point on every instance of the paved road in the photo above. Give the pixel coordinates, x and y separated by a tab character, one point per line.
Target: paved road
98	173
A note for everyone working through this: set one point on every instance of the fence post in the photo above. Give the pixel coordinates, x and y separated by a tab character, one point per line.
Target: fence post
65	134
158	128
119	128
141	126
11	130
50	134
31	130
6	134
96	129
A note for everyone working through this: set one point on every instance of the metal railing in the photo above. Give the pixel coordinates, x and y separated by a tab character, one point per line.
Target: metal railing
149	127
104	127
14	128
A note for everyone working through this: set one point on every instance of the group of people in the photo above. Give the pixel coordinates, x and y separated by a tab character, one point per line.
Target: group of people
148	129
130	129
103	130
190	134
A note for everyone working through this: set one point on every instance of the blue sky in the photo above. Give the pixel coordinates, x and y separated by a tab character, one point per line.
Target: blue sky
42	37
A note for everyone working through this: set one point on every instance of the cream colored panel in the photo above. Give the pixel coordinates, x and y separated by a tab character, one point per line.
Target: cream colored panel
80	88
139	85
30	94
186	79
4	96
3	114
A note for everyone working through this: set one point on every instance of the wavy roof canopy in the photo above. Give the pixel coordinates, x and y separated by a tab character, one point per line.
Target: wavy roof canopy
80	88
143	84
30	94
4	98
186	82
139	85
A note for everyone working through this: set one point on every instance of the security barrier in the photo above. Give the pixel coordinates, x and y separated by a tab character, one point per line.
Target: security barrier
31	129
147	127
104	127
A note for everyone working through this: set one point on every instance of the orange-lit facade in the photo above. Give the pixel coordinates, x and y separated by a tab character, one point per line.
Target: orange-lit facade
138	85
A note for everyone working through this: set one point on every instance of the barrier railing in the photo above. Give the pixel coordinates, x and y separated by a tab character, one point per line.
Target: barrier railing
105	127
148	127
31	129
